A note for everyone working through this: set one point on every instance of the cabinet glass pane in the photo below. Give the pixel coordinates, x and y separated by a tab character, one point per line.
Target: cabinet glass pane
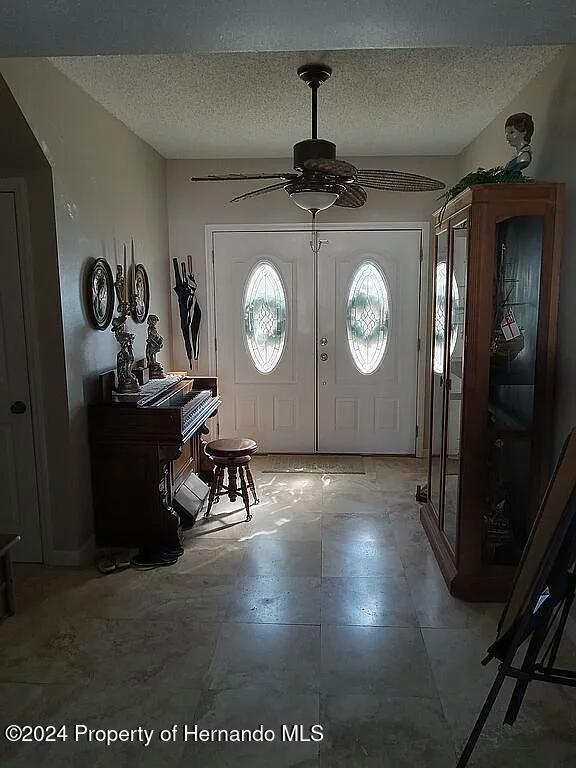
457	308
515	322
516	297
508	499
437	393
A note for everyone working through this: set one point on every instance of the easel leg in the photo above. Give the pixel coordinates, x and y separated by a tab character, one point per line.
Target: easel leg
536	642
562	624
481	721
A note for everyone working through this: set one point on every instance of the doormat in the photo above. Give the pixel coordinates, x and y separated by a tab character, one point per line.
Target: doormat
314	464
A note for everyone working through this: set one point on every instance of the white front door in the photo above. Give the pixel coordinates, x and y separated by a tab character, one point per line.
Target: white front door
19	505
368	302
265	338
318	353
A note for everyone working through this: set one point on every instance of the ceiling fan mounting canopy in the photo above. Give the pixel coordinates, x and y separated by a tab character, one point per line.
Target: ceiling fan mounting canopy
320	178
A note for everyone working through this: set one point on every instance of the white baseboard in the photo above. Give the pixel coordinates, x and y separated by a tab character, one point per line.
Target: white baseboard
70	557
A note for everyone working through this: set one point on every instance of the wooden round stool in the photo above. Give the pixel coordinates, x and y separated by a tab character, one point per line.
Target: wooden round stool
232	454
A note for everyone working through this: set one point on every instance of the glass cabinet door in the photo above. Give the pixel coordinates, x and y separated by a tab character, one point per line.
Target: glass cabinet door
455	341
512	383
438	378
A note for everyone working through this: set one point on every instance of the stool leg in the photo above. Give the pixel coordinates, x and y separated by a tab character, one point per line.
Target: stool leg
219	482
251	485
213	488
245	493
232	482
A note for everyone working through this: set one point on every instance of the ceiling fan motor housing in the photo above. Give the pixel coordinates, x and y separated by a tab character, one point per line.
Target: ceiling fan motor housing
313	149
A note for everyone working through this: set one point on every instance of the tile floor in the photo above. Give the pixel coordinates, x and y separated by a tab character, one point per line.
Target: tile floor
327	608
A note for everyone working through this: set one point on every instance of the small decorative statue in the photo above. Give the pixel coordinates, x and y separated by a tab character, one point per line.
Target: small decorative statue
519	129
154	344
127	382
120	286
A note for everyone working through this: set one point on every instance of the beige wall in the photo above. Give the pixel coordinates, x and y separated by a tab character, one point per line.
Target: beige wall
108	186
551	99
193	205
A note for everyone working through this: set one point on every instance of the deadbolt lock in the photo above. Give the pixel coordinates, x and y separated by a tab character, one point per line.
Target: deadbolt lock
323	357
323	341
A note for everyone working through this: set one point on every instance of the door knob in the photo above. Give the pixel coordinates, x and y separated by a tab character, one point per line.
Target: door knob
18	407
323	341
324	357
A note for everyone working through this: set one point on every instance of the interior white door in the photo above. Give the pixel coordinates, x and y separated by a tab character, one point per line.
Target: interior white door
19	508
264	302
367	345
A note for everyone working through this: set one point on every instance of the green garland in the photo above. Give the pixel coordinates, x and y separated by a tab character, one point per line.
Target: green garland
497	175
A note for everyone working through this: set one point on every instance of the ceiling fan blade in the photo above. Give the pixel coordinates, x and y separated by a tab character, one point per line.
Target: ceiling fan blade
397	181
353	197
331	167
261	191
246	177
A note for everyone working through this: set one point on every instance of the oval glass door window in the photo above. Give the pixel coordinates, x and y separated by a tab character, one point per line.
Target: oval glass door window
265	317
368	317
440	317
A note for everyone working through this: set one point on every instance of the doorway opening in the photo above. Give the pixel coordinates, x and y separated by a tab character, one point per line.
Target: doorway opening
319	353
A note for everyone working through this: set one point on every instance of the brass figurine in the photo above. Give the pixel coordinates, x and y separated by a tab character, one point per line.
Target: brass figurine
127	381
154	344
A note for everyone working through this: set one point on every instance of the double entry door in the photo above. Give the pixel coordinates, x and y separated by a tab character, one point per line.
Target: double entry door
318	353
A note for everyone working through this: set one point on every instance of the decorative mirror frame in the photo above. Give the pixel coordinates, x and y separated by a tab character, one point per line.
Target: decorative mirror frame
100	267
140	313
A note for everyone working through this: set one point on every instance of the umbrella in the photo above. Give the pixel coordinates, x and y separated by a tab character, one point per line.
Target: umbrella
196	312
183	290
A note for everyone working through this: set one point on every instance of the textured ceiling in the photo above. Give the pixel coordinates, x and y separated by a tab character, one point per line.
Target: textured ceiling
392	102
89	27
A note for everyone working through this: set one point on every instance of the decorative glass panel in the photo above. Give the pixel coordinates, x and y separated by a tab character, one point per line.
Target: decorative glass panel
440	316
265	317
368	317
456	377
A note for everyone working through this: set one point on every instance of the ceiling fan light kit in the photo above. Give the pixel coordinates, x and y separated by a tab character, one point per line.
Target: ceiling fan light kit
320	179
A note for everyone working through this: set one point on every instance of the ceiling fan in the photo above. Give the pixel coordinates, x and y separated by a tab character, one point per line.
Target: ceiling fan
321	180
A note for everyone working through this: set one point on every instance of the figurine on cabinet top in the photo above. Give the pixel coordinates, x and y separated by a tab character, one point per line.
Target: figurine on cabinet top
518	130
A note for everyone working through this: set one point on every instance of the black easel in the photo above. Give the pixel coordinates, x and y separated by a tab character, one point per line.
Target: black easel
544	618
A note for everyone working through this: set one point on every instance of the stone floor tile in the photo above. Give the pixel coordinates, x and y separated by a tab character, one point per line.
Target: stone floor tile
275	600
377	602
375	660
278	656
380	731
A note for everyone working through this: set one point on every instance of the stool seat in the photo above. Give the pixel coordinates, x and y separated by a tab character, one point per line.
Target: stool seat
232	447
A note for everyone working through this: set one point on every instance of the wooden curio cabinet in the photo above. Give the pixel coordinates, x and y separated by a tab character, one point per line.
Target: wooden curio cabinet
493	337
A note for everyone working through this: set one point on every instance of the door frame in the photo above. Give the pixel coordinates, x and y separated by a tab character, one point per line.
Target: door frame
17	186
422	226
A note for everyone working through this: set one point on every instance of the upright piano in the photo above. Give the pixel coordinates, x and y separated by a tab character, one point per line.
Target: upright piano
144	451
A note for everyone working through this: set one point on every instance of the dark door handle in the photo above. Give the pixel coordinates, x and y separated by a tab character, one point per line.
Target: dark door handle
18	407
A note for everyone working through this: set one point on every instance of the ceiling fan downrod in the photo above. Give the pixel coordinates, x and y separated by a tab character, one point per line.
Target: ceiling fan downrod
312	149
314	75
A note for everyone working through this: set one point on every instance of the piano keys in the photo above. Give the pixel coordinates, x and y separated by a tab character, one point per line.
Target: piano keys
143	450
